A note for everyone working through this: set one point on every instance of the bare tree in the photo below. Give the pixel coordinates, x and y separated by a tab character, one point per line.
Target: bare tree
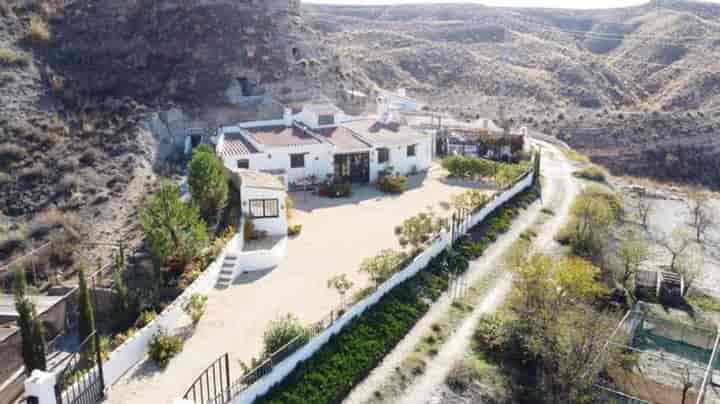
689	264
701	214
645	207
686	380
675	243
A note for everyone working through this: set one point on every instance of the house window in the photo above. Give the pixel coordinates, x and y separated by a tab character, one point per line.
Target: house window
260	208
243	164
297	160
411	150
326	119
383	155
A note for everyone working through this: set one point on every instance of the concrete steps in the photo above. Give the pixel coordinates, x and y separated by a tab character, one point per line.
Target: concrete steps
227	271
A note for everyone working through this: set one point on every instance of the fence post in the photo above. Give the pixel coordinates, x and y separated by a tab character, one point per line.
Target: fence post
41	385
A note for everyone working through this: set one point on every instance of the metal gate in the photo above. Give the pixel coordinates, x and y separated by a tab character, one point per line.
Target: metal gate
80	380
213	384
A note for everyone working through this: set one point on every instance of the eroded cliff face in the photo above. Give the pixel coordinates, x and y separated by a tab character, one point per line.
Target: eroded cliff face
186	51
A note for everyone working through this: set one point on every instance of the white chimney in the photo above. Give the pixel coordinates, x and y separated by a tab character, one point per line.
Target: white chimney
287	116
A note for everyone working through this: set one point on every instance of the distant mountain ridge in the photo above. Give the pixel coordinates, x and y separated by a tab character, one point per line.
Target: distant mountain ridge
555	70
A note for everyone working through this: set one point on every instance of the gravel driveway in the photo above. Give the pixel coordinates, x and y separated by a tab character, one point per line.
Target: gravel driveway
337	235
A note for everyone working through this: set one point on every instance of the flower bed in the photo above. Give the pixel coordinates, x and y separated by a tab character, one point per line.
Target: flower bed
352	353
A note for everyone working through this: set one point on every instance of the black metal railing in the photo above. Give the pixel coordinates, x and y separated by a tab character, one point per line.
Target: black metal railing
80	379
213	384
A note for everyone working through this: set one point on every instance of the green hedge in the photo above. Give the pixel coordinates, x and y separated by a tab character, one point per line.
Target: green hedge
330	374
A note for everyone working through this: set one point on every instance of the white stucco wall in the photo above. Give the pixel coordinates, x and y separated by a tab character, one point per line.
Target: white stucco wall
276	226
318	161
401	162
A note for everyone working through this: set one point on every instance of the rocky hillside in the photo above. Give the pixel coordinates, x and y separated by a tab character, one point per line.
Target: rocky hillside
78	79
553	69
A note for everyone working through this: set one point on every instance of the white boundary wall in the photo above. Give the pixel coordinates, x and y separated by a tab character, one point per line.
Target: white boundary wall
135	348
283	369
259	260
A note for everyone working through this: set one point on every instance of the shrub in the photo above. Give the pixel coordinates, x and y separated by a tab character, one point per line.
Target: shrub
467	166
592	173
392	184
195	307
164	347
418	230
332	189
121	337
281	331
145	318
294	230
10	57
383	265
39	31
472	200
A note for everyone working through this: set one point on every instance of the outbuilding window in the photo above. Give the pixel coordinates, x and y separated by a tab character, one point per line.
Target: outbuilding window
383	155
297	160
243	163
260	208
411	150
326	119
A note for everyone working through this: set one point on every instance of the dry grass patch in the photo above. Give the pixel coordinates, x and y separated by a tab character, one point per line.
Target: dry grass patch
39	31
11	57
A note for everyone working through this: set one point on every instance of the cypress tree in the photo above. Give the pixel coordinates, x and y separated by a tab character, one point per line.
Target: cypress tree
86	316
31	330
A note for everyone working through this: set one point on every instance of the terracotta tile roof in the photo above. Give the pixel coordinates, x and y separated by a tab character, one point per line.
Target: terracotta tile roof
282	136
343	139
384	134
235	144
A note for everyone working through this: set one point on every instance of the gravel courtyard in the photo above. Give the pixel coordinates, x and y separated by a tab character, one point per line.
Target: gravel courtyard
337	235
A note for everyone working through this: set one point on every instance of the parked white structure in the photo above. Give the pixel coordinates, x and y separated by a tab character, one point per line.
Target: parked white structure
321	141
399	100
263	197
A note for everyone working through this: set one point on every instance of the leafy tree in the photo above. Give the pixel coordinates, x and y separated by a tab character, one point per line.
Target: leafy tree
382	266
207	181
174	230
86	314
594	212
281	331
341	284
31	329
632	252
554	325
125	311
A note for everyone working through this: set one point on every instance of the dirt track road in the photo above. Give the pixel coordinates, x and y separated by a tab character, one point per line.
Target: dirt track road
559	190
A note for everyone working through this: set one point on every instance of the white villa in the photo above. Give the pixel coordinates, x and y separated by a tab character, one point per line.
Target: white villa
320	141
